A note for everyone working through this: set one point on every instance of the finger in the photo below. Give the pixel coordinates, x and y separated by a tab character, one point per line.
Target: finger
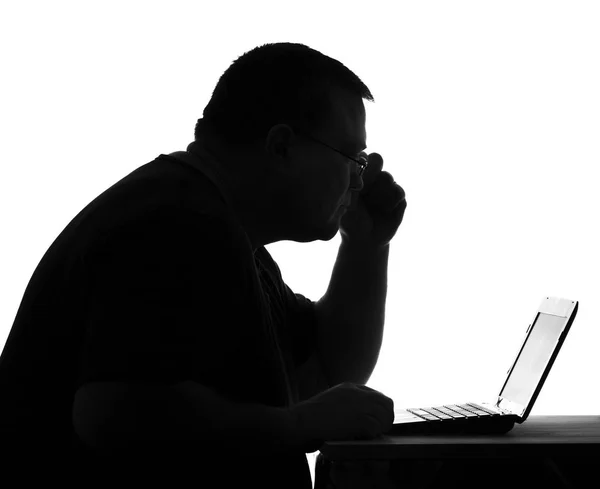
379	395
384	193
385	406
401	194
385	412
381	181
371	426
374	166
375	419
399	211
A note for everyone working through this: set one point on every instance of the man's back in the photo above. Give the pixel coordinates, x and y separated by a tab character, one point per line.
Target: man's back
153	281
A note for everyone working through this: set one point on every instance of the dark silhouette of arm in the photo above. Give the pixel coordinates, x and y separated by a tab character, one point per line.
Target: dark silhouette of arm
111	417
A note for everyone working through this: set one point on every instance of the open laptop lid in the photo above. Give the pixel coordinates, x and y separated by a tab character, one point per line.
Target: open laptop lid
544	337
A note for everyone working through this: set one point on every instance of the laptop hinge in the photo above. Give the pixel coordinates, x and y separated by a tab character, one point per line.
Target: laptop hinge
502	410
509	407
495	408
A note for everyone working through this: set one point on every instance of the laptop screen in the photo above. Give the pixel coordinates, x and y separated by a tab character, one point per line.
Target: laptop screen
533	359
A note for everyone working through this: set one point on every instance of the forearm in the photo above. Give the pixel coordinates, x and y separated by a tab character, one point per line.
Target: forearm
266	428
351	314
116	417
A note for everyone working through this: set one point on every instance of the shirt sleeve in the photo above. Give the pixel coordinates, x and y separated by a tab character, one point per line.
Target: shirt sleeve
300	314
302	325
162	300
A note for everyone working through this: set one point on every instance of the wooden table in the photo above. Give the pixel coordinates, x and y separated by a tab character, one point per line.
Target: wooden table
546	451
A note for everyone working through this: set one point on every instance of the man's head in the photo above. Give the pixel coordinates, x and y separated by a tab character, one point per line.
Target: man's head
271	118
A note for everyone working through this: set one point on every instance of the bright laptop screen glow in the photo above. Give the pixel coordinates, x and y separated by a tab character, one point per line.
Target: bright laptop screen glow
533	359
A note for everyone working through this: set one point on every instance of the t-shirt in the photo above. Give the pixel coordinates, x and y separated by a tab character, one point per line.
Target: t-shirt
155	280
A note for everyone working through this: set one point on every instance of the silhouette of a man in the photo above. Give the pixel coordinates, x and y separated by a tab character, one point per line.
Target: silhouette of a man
157	333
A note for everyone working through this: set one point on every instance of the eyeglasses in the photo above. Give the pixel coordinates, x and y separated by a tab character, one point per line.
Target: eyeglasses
362	161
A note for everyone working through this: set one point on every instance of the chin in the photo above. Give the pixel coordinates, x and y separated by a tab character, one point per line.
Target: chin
317	234
323	235
326	232
331	230
329	236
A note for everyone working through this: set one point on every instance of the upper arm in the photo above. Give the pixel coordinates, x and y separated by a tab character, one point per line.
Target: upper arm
95	405
311	378
114	414
302	321
157	302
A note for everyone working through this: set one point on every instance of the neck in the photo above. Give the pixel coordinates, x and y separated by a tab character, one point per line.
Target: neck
245	191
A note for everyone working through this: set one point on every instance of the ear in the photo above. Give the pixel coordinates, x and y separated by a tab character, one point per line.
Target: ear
279	139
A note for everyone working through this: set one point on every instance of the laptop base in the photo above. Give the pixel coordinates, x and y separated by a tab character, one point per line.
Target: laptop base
495	425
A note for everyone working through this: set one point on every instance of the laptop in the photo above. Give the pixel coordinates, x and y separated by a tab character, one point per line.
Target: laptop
543	339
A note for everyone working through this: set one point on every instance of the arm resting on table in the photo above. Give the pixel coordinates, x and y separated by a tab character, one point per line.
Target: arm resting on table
111	416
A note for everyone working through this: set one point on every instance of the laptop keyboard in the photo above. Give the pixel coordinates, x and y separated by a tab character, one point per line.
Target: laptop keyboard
453	411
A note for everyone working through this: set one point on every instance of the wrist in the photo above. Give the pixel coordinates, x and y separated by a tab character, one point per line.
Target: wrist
364	247
299	433
295	427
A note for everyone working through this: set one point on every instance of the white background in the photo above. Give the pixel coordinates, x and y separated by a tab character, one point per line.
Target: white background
487	113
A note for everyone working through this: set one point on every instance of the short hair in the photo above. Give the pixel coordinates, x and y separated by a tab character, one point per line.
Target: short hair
278	83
